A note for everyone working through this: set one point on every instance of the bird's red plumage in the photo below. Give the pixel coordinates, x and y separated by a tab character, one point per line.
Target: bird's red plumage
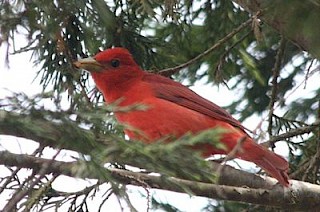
173	109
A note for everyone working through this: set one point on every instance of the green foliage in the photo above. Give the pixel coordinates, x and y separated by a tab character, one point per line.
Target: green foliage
159	34
82	28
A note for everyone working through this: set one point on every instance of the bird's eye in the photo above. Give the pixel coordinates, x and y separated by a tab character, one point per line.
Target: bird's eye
115	63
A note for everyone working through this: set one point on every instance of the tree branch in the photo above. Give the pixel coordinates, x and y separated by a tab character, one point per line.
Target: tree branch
274	90
301	195
291	133
58	135
47	133
258	191
282	17
170	71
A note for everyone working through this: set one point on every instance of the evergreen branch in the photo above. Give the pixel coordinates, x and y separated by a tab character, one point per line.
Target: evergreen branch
287	95
289	120
169	71
291	133
56	135
300	195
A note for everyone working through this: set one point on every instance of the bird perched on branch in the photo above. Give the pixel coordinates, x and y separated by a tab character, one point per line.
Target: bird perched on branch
172	110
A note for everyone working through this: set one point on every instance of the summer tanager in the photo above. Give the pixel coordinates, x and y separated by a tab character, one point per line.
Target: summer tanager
172	110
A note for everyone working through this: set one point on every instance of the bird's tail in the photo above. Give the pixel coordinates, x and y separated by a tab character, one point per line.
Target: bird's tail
272	163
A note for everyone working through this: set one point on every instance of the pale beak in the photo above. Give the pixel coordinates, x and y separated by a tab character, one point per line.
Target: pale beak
89	64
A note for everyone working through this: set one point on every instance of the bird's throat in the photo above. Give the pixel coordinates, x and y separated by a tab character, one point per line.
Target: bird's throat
115	85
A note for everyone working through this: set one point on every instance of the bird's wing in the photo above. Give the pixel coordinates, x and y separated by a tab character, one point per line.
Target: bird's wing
175	92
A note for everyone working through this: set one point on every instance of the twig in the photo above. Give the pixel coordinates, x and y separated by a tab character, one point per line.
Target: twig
276	73
301	123
302	167
34	199
170	71
291	133
8	180
314	162
293	90
144	185
231	155
308	71
109	192
14	173
11	205
218	71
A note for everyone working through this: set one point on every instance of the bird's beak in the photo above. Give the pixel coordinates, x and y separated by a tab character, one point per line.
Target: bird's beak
89	64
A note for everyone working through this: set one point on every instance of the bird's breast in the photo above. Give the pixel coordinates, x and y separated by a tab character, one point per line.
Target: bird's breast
163	118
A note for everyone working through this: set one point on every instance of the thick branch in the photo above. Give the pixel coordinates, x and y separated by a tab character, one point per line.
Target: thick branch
296	20
301	195
49	133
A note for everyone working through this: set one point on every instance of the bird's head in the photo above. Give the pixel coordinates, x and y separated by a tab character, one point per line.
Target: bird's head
113	70
109	60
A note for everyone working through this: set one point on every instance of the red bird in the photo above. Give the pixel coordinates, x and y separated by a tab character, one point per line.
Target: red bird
173	109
